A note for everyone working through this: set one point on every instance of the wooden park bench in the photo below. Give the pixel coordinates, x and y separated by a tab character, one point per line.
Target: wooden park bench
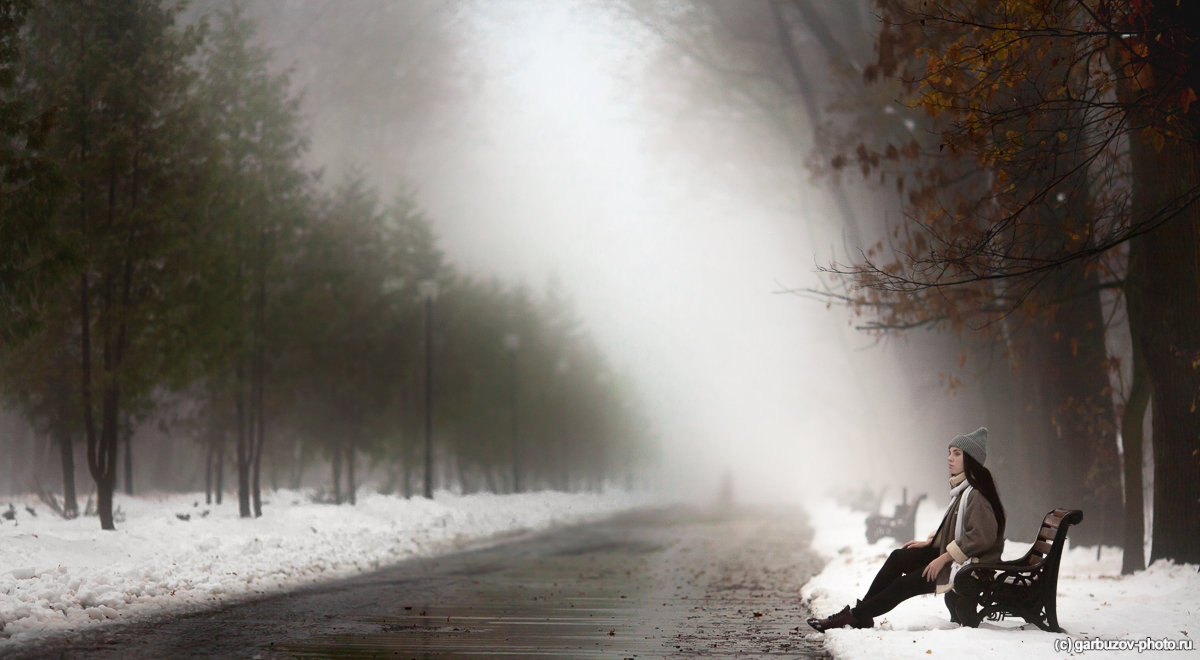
1024	587
901	526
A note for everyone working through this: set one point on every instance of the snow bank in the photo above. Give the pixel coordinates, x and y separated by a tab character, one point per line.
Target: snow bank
62	575
1094	600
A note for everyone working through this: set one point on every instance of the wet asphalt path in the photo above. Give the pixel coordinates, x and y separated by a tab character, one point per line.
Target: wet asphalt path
674	582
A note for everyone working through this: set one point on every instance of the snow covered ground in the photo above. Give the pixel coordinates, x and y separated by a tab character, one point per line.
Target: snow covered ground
1094	600
58	575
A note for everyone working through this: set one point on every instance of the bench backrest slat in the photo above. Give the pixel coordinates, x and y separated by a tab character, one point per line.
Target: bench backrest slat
1044	543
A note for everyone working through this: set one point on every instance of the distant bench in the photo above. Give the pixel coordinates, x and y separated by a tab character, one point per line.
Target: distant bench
1024	587
900	526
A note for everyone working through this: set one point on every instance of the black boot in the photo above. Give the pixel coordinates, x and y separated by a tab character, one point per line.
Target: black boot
952	605
861	622
833	621
964	607
842	619
968	612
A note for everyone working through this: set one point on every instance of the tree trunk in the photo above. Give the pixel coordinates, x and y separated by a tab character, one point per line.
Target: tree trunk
1165	320
94	453
429	398
41	448
469	481
102	442
1084	413
516	442
1072	353
1175	381
391	468
67	454
95	449
351	486
127	436
106	474
104	502
809	96
299	465
256	464
335	463
255	486
1012	408
208	471
243	442
1170	341
255	489
220	467
1134	557
259	378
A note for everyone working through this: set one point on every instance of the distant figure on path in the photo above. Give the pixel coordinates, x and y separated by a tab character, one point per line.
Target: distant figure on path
972	529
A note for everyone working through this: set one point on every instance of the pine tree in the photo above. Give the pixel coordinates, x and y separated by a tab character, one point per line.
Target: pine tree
128	145
30	255
255	204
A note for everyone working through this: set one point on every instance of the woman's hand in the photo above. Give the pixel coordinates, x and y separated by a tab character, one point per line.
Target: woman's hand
934	567
916	544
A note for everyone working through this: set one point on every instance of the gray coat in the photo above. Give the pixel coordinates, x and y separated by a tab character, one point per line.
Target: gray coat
980	540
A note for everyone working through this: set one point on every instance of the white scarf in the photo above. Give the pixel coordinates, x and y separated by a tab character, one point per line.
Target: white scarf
958	483
965	488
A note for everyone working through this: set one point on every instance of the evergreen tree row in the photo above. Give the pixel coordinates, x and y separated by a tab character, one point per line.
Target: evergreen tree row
161	241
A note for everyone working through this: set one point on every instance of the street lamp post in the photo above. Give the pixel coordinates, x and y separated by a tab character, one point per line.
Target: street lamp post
428	291
561	451
512	343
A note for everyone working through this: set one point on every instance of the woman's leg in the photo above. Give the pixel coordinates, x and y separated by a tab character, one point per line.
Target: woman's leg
898	579
901	561
898	590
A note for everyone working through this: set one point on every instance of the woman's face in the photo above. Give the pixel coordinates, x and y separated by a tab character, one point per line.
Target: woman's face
955	459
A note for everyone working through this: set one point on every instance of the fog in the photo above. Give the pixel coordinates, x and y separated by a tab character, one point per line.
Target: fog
563	152
447	247
587	147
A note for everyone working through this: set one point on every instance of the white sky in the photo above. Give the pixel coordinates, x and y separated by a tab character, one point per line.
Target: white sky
675	277
555	160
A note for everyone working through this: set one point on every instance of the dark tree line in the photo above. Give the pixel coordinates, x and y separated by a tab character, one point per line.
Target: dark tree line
162	243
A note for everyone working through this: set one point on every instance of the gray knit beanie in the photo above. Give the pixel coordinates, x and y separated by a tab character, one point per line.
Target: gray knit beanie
973	444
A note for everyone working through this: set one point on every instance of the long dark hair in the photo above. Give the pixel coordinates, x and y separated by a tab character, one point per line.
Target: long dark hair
981	480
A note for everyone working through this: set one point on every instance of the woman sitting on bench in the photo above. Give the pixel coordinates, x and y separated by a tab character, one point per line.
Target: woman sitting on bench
972	529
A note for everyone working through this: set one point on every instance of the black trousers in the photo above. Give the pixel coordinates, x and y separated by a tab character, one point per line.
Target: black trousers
898	580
